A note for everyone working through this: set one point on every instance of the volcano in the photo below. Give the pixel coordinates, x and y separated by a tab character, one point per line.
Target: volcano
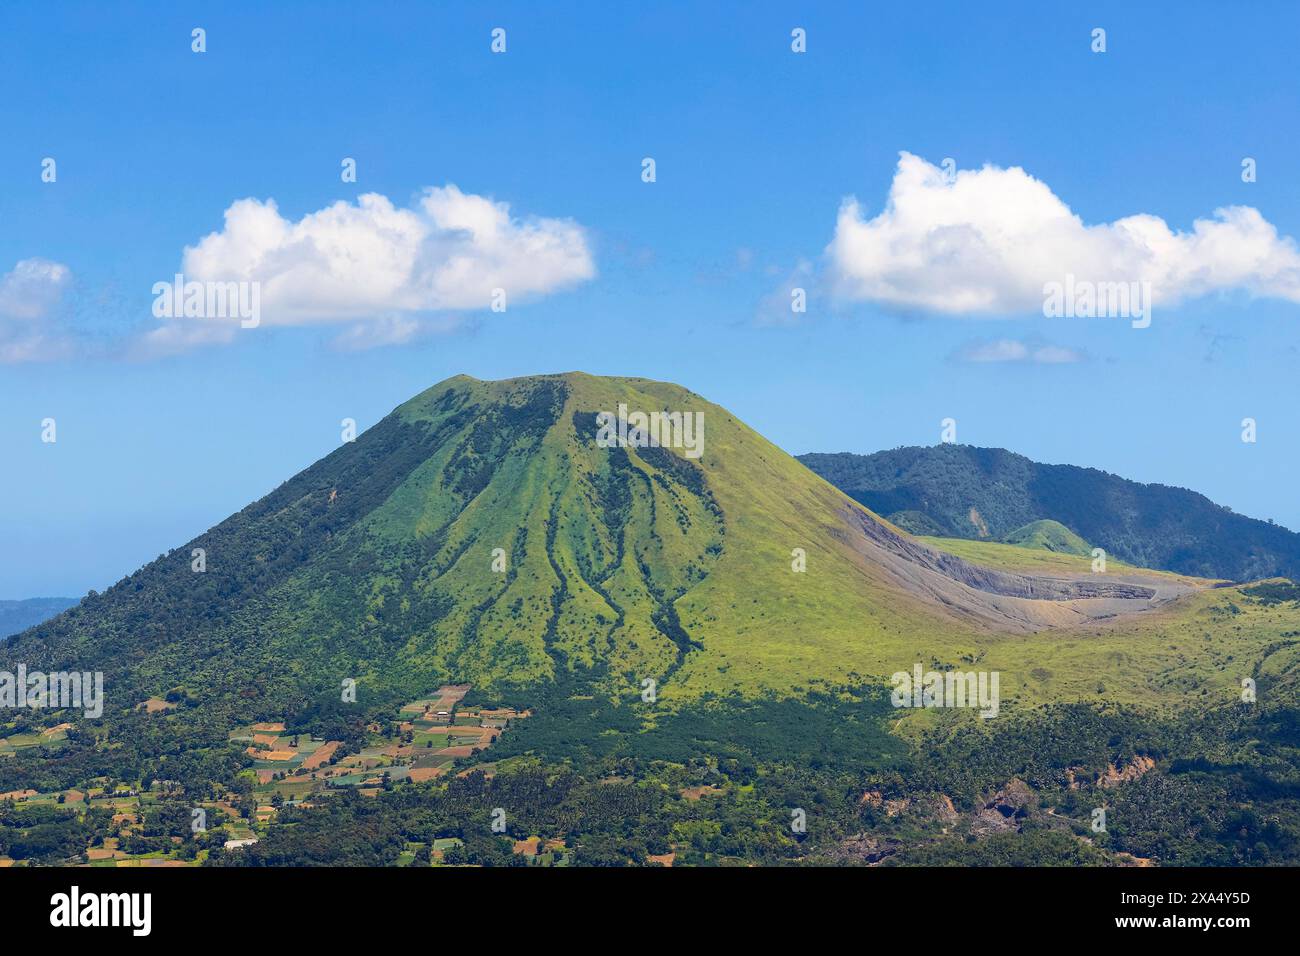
512	532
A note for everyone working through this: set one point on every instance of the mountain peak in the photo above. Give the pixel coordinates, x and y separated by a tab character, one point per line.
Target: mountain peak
485	533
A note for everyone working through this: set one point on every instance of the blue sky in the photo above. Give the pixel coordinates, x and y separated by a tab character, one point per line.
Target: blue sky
755	149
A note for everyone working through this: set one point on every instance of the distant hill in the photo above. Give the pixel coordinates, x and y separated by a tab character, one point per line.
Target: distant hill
18	616
988	493
1049	536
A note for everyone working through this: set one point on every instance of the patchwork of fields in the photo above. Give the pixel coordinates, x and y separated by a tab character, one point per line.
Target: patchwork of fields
425	739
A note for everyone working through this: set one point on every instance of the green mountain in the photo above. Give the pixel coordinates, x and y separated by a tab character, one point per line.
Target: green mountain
479	533
988	493
682	642
1050	536
18	616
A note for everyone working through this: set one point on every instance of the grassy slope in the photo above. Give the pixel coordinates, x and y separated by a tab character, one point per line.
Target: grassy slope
763	629
1192	653
590	538
1015	557
576	591
1048	535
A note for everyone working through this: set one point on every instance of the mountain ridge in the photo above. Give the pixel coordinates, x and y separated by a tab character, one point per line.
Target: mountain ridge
963	491
18	615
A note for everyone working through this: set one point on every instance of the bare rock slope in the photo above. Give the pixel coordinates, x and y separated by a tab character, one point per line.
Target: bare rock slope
1003	599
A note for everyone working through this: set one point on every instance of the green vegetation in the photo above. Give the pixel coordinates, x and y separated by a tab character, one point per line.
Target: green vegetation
700	647
1274	592
960	491
1049	536
1219	788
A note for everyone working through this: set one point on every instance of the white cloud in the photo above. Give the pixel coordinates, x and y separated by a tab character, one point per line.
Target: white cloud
29	295
180	335
382	269
1015	350
32	288
1056	355
393	330
987	242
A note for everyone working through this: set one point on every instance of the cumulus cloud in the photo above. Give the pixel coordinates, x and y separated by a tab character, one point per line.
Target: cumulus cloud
29	295
1032	351
987	240
386	271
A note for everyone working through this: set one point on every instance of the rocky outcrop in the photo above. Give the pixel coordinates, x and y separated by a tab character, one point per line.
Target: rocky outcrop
865	848
1135	768
1113	775
1006	811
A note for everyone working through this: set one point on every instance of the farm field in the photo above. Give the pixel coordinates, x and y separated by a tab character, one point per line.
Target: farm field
425	739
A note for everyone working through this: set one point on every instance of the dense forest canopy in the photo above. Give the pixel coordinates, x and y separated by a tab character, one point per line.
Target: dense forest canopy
962	491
